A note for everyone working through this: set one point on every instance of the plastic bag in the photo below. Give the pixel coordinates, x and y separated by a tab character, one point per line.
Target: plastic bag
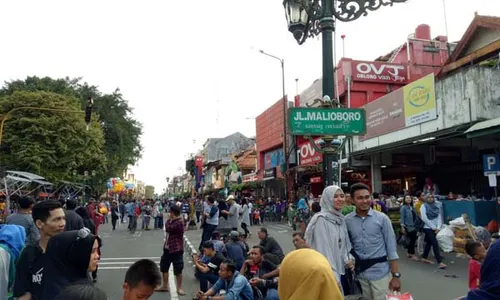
420	243
458	223
399	296
445	239
405	241
483	235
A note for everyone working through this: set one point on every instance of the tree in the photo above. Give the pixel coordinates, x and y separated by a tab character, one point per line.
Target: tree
122	132
51	144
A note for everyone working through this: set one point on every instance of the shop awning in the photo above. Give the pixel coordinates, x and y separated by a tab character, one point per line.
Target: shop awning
484	128
422	139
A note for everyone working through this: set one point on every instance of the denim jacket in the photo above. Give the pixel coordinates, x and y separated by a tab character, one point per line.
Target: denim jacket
408	217
238	288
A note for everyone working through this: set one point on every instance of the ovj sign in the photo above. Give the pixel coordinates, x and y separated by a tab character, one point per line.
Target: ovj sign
331	121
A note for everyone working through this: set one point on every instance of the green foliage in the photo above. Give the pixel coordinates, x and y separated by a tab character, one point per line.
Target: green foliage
491	63
122	132
49	143
237	187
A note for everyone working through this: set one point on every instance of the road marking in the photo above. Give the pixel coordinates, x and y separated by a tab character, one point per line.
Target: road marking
128	258
172	284
113	268
282	231
121	263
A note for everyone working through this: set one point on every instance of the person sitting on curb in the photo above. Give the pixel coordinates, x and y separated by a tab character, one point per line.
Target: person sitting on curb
258	267
209	271
272	249
230	280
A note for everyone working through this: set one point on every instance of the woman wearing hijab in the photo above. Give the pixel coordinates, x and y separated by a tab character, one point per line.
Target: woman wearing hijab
70	256
431	215
306	274
89	223
327	231
489	287
12	238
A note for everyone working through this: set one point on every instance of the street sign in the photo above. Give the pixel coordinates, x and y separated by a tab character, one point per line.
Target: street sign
491	164
330	121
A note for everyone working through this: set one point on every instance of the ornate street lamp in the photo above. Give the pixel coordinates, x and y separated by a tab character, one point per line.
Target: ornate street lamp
309	18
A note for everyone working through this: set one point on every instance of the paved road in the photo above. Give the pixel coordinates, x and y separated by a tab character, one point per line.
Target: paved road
121	249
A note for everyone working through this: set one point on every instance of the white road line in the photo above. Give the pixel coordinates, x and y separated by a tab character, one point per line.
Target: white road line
113	268
121	263
172	284
128	258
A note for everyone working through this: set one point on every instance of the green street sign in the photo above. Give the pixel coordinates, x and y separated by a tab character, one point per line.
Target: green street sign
330	121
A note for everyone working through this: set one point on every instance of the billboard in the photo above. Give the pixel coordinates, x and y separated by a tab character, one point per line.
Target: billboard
412	104
313	92
274	158
378	71
308	154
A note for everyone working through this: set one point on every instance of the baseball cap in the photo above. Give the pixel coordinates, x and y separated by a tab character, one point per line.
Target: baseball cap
230	197
234	235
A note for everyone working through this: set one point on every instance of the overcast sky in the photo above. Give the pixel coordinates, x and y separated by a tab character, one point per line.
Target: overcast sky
191	69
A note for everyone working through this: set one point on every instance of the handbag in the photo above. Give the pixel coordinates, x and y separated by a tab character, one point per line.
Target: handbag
419	224
405	241
350	284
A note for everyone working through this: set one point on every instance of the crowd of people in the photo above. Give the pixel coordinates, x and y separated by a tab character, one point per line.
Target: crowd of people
345	248
50	250
351	231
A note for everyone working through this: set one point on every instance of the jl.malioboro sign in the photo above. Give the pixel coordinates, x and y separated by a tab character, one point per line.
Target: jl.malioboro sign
331	121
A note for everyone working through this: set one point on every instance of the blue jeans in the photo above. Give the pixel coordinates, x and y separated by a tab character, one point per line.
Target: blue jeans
205	278
272	294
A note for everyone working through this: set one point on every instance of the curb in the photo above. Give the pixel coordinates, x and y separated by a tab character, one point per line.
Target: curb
189	248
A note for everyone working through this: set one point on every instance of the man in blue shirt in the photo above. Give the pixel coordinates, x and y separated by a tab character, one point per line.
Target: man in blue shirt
132	218
373	246
236	286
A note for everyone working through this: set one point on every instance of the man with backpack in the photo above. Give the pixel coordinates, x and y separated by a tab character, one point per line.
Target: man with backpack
50	219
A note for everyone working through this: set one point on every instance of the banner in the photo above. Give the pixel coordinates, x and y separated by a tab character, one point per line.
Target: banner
411	105
420	101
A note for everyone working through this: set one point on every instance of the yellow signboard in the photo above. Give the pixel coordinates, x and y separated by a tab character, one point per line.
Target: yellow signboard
420	101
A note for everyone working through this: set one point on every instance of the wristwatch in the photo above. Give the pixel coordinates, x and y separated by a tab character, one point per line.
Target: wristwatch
396	275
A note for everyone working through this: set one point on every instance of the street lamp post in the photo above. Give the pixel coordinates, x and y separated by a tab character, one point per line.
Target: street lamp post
285	105
309	18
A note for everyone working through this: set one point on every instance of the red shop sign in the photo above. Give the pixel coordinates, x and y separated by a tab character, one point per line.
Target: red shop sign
308	154
375	71
359	176
315	179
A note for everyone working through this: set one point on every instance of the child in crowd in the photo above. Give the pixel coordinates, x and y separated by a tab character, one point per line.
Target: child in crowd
477	252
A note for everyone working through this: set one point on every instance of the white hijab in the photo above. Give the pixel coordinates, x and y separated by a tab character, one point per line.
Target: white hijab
331	236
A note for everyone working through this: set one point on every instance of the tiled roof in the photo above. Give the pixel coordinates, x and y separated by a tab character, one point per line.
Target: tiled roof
478	22
246	159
